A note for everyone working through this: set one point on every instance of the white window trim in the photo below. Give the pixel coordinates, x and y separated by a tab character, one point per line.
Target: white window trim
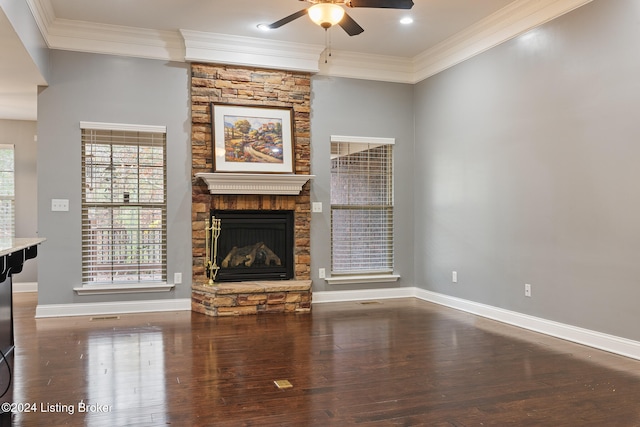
120	289
351	279
89	289
363	139
123	127
364	278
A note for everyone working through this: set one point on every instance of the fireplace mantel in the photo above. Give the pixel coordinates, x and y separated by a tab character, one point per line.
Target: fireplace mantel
254	183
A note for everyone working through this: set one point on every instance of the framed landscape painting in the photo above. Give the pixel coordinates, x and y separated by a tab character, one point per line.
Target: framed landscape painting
252	139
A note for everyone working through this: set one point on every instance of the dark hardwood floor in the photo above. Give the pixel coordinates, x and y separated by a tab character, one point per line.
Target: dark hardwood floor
398	362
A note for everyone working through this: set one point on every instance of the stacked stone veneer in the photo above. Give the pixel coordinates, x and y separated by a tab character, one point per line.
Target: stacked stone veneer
232	299
251	87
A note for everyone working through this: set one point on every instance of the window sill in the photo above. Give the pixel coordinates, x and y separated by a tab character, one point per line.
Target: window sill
367	278
123	289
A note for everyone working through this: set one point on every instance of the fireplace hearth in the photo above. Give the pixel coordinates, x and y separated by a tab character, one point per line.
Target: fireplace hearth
255	245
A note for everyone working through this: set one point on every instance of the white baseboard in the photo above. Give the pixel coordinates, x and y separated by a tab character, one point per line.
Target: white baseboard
116	307
19	287
599	340
362	295
606	342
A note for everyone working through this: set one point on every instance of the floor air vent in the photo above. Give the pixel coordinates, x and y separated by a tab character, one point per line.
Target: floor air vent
104	318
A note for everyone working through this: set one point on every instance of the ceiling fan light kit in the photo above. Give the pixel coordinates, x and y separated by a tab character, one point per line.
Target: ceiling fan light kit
326	14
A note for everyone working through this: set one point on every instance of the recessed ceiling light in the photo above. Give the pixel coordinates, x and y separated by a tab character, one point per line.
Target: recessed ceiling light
263	27
406	21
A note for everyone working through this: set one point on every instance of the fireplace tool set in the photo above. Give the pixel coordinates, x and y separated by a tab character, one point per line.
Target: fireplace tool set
211	251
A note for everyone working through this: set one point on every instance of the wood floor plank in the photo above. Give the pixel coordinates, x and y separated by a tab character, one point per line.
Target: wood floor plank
396	363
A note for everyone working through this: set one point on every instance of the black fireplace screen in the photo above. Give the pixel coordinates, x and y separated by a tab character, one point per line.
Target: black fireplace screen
255	245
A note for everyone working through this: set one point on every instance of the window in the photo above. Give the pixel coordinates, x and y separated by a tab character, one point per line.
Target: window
361	205
7	191
124	207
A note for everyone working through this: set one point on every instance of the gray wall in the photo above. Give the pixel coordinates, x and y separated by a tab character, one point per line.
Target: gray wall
516	166
103	88
353	107
24	24
21	133
527	172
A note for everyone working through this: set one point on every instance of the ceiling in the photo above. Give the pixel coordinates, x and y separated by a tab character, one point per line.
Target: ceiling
222	30
434	20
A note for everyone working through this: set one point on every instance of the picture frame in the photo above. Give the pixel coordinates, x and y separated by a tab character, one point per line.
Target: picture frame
252	139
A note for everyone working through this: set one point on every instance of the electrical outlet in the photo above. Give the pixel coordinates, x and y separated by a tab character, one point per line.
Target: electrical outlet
454	276
527	290
177	278
322	273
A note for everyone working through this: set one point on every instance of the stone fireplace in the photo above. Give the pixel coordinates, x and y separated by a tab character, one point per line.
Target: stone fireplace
252	87
255	245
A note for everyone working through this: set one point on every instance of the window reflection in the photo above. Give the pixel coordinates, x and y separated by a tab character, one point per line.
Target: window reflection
127	371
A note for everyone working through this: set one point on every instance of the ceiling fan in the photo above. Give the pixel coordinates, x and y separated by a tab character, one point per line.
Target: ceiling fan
327	13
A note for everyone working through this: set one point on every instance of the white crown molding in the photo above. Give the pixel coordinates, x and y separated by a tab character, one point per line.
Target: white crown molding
367	67
187	45
510	21
91	37
250	51
115	40
43	14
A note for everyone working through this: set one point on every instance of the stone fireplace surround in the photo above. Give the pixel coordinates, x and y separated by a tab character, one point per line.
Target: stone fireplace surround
255	245
259	87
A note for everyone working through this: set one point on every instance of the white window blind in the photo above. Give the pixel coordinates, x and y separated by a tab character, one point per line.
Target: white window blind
7	191
124	208
361	207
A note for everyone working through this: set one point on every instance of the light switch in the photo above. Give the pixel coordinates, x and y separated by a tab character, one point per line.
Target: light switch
316	207
60	205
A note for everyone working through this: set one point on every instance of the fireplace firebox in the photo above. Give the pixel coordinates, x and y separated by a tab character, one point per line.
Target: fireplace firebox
255	245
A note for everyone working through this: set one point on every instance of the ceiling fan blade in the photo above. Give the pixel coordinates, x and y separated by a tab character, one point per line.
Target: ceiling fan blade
350	25
288	19
382	4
